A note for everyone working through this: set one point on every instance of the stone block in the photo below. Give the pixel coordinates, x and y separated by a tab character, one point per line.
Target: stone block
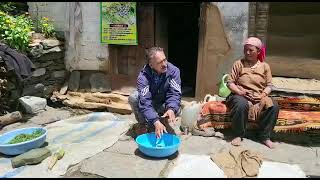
39	72
74	80
113	165
100	83
33	105
34	156
58	74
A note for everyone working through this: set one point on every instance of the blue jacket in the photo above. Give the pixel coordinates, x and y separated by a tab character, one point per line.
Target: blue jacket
159	89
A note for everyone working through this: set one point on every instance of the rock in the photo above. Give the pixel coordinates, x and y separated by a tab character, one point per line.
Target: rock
48	90
33	89
37	65
37	36
10	86
50	56
50	43
43	65
33	104
128	146
34	156
58	74
60	35
35	42
100	83
50	115
85	82
36	51
113	165
56	67
39	72
15	94
10	118
64	88
74	81
52	50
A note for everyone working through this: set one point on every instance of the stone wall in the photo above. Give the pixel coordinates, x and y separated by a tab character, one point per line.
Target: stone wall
48	57
49	75
90	53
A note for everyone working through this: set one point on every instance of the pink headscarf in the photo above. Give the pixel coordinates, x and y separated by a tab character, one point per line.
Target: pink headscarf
257	42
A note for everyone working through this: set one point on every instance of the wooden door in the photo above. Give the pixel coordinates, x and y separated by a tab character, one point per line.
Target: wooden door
127	61
214	47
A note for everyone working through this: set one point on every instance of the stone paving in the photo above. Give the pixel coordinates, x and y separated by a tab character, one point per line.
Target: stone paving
123	159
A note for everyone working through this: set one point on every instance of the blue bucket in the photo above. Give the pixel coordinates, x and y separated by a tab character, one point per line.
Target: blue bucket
19	148
147	144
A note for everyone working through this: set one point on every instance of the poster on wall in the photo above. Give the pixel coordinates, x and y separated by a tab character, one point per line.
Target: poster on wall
118	23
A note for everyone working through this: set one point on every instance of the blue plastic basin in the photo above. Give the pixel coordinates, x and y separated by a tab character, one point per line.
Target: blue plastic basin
147	144
19	148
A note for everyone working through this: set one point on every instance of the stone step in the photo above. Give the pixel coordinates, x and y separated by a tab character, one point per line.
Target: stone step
299	23
302	45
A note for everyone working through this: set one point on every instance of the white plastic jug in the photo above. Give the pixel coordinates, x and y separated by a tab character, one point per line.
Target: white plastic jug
190	114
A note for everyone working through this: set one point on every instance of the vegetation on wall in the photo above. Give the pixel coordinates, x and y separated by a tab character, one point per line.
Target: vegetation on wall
16	30
47	27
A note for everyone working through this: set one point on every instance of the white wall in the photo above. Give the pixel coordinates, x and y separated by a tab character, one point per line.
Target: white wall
55	11
235	16
92	54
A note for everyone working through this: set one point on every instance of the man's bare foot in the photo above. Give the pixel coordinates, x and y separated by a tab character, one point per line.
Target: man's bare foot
236	141
270	144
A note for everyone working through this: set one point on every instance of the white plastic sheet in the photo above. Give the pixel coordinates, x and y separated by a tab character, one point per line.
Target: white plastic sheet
81	137
195	166
189	166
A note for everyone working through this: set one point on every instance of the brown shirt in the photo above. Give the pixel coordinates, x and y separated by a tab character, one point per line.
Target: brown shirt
253	79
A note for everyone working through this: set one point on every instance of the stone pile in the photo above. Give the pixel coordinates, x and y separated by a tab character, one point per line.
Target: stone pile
49	75
4	94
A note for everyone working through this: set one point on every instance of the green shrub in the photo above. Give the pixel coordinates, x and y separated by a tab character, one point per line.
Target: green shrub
16	31
47	27
7	7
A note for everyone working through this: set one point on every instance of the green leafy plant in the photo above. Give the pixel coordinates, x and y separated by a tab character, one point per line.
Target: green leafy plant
47	27
7	7
25	137
16	31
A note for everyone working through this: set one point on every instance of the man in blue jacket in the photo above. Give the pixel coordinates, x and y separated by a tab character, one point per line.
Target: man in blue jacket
156	103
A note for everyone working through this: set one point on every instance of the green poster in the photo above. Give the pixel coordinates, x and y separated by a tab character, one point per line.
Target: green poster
118	23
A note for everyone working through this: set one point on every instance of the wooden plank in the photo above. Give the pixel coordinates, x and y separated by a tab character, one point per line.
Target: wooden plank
132	61
123	84
161	29
145	32
113	58
123	60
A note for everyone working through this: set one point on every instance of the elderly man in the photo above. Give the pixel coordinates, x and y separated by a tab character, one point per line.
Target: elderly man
156	103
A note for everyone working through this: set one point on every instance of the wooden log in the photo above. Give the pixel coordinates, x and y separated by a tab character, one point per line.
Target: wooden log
97	100
10	118
112	102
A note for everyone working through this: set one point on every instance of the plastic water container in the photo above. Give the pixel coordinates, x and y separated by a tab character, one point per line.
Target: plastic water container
190	114
224	91
149	145
19	148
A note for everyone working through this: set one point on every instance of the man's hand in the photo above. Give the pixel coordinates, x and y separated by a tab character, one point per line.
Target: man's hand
171	116
159	128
